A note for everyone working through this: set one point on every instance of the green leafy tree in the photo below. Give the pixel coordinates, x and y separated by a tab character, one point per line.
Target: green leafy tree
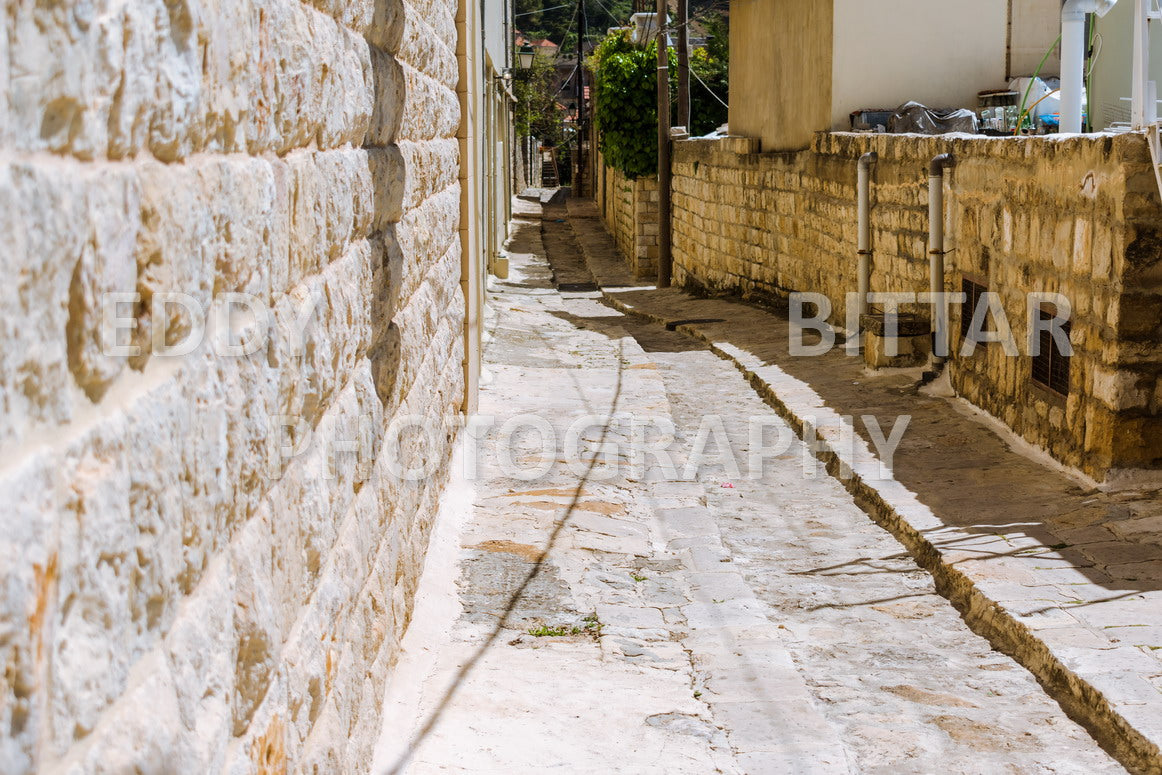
712	65
625	97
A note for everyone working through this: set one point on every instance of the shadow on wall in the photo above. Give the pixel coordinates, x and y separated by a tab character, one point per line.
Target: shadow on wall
389	178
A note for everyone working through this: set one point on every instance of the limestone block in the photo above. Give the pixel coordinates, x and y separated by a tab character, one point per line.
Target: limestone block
331	199
106	265
318	489
241	197
28	553
424	233
173	253
248	392
204	455
333	313
323	750
312	654
355	16
46	201
265	747
201	653
421	46
255	623
174	111
1120	390
388	100
431	168
388	175
62	104
176	78
346	98
430	109
93	639
129	740
161	497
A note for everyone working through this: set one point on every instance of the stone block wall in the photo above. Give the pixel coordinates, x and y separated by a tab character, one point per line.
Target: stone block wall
1077	216
630	211
207	564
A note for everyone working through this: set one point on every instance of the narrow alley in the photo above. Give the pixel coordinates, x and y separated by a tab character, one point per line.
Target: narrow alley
613	618
760	387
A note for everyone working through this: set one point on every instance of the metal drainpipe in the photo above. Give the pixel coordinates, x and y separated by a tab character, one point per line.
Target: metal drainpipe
936	254
863	189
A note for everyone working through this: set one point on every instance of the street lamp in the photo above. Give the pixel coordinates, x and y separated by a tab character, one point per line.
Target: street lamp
525	57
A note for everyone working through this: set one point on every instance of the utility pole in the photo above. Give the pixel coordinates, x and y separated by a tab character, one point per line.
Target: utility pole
683	64
665	267
579	178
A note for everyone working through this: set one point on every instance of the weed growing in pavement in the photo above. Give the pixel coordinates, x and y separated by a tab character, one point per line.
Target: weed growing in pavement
589	626
546	631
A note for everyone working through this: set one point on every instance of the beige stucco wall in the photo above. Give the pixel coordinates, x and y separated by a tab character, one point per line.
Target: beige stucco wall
178	595
780	63
937	53
1077	217
800	66
1036	24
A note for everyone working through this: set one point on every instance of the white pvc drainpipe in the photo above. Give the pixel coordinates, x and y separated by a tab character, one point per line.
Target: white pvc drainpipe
1073	44
936	253
863	188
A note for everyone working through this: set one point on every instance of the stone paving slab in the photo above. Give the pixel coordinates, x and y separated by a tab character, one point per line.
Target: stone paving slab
1061	575
675	625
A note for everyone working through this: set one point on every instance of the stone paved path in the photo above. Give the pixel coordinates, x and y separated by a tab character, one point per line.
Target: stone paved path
1065	576
711	623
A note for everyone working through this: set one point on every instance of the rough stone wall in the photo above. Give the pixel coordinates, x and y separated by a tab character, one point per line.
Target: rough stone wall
1077	217
175	598
630	211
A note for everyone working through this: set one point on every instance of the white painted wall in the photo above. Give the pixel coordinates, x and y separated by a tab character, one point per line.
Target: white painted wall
938	52
496	32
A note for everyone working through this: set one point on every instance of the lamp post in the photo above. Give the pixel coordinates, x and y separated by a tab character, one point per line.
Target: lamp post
524	57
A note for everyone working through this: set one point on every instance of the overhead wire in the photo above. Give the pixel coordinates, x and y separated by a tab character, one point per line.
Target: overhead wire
541	10
712	92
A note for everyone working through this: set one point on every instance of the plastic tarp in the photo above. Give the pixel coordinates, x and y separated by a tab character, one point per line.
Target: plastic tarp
918	119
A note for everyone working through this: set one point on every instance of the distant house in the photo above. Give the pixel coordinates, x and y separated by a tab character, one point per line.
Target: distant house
542	47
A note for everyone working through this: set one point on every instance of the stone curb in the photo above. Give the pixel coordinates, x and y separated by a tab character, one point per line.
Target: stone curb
890	505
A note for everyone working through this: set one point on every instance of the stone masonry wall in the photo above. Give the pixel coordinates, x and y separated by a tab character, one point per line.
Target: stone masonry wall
175	597
630	211
1078	217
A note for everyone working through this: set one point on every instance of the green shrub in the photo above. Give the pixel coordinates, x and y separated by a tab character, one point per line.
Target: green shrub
625	78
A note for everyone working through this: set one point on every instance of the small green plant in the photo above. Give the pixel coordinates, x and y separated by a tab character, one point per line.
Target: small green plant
546	631
637	578
592	624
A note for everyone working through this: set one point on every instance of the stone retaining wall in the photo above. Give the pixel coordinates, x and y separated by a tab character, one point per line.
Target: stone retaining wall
1078	217
177	596
630	211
